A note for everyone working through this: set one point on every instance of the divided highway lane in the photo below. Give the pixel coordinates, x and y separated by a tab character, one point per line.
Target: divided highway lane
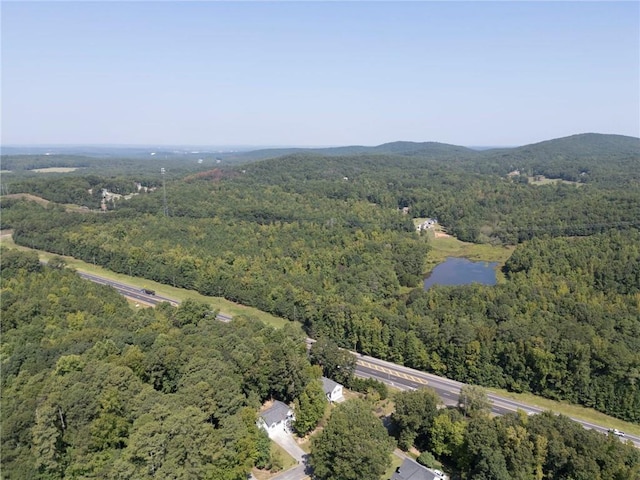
136	293
398	376
405	378
128	291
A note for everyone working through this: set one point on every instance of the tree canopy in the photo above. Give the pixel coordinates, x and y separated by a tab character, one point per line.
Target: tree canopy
354	445
93	389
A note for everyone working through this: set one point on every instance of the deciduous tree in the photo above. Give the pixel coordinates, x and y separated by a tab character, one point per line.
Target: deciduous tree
353	446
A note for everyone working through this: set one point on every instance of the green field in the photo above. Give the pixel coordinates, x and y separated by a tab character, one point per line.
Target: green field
395	463
287	462
55	170
540	180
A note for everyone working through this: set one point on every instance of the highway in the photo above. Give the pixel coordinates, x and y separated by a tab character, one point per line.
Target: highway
135	293
398	376
405	378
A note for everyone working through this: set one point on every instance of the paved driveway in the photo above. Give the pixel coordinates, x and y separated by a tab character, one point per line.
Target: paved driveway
286	441
289	444
296	473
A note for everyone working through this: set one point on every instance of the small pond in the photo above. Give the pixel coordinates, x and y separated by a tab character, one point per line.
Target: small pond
460	271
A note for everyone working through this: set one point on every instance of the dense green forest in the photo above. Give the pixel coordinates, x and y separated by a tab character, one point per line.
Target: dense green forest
468	191
321	239
93	389
565	324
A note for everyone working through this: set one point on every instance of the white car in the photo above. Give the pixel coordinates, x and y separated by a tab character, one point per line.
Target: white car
617	432
439	473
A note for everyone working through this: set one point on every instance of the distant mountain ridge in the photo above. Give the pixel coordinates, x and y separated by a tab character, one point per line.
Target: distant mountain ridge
429	149
579	145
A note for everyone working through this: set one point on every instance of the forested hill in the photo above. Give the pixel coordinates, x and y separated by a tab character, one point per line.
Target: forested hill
581	158
613	153
585	145
423	149
578	146
477	196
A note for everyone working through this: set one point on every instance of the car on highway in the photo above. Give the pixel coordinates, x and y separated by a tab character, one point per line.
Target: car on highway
148	291
617	432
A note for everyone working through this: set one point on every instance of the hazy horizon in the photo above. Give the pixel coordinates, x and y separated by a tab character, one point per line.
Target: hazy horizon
267	146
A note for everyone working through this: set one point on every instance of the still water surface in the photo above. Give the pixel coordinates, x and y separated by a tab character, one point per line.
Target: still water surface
460	271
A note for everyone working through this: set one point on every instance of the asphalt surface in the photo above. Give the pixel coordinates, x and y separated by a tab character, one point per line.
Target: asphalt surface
397	376
405	378
135	293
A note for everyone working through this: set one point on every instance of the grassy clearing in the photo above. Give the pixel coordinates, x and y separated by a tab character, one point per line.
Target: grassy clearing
444	247
541	180
181	294
55	170
28	196
575	411
69	207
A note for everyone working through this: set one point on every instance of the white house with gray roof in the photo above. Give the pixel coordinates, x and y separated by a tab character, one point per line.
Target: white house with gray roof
277	417
411	470
333	390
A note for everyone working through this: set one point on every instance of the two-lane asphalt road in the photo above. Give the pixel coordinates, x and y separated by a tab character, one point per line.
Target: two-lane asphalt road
398	376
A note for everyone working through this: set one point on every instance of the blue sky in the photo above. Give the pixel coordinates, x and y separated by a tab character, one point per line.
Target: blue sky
317	73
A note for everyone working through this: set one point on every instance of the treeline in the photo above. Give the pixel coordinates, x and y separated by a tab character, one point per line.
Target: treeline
92	389
21	166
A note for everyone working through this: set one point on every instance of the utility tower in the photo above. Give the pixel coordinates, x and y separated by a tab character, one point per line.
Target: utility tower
164	194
